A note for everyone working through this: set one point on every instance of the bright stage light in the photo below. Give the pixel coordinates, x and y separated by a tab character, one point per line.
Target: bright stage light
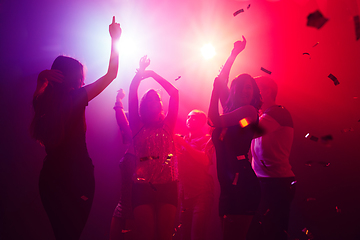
208	51
127	45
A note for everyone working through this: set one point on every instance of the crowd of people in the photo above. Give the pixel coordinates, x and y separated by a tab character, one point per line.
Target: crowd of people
165	175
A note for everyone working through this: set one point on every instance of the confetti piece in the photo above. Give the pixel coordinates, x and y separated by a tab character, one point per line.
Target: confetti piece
316	20
84	198
241	157
238	11
248	6
243	122
308	234
348	130
315	44
305	53
140	179
334	79
310	199
177	78
338	210
265	70
236	179
287	233
309	163
325	164
357	27
326	140
313	138
293	183
125	231
266	212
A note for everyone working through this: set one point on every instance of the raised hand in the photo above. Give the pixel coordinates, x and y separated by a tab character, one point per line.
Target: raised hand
120	95
239	46
144	63
114	30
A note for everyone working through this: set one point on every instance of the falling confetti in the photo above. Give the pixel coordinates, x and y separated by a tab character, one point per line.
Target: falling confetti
310	199
316	19
177	78
334	79
243	122
241	157
325	164
305	53
125	231
348	130
238	11
140	179
309	163
265	70
326	140
308	234
312	138
248	6
266	212
84	198
338	210
315	44
236	179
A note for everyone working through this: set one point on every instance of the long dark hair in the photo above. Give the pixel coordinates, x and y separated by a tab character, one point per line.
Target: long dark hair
143	106
48	124
240	80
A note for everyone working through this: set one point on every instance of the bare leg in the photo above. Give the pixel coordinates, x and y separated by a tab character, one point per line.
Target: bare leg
144	222
165	220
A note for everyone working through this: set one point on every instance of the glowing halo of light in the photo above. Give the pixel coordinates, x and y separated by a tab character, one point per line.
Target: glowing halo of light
208	51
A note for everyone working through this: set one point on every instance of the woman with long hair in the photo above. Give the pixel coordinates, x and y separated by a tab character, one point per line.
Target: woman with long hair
66	181
154	191
234	130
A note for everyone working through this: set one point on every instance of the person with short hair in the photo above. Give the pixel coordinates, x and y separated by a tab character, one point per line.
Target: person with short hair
270	161
196	184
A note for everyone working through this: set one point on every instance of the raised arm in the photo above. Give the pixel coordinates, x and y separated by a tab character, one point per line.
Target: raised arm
171	117
225	72
247	112
134	117
99	85
121	118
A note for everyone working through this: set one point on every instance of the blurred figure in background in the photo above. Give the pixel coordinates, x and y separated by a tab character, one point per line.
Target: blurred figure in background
122	221
270	161
195	183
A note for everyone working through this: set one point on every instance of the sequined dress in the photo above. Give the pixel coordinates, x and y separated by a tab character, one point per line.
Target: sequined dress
156	159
